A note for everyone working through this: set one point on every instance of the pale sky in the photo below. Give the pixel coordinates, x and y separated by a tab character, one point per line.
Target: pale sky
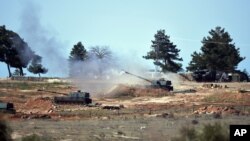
126	26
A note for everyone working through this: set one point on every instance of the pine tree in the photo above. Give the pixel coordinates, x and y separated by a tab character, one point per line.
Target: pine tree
217	53
36	66
16	72
5	47
78	53
164	53
14	51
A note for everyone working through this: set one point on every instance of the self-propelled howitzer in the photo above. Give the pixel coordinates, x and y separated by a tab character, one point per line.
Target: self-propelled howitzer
77	97
160	83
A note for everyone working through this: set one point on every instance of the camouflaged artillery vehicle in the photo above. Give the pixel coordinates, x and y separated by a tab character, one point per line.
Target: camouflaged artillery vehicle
7	108
160	83
206	75
77	97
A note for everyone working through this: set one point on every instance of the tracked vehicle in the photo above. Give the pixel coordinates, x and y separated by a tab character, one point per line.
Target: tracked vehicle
7	108
160	83
78	97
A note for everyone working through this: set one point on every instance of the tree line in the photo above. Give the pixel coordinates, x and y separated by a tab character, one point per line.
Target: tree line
95	60
16	53
218	52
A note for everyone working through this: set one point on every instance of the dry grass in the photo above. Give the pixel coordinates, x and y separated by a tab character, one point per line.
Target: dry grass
138	121
228	97
25	85
120	129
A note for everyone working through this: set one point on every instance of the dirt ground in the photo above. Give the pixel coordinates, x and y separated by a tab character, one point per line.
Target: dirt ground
141	128
143	114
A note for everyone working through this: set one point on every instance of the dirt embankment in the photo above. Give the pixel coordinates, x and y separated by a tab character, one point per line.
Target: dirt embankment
29	101
225	110
123	91
37	106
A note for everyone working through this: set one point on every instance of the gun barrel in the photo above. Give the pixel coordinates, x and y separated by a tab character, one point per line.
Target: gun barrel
51	92
138	76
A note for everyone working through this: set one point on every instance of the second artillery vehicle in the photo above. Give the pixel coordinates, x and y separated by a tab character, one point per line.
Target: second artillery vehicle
160	83
7	107
77	97
206	75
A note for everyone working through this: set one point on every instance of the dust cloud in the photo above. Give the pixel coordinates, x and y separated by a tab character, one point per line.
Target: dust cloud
101	76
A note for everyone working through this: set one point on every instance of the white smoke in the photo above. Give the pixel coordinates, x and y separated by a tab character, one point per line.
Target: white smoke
43	42
100	76
97	75
94	75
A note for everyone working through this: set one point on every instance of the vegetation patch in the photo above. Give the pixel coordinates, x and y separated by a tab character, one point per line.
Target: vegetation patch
209	132
31	85
35	137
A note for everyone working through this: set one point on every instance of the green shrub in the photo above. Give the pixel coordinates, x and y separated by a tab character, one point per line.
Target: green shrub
187	134
32	137
209	132
214	132
35	137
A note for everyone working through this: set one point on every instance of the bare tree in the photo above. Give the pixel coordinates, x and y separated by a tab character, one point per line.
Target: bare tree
101	52
103	57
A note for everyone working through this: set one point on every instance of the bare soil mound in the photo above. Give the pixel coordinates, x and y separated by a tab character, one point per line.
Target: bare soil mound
217	110
120	91
37	106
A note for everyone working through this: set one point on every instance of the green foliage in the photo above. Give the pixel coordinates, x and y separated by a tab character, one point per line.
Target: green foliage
5	131
5	47
197	62
16	72
32	137
246	72
78	53
217	53
214	133
187	134
35	137
36	66
5	44
14	51
164	53
209	132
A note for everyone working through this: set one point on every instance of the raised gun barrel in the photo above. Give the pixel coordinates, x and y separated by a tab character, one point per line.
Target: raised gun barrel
51	92
161	83
138	77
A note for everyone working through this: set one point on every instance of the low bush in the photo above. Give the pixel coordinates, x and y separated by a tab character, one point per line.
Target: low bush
35	137
208	132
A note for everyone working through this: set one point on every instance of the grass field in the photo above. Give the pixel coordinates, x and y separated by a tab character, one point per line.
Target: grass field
125	129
